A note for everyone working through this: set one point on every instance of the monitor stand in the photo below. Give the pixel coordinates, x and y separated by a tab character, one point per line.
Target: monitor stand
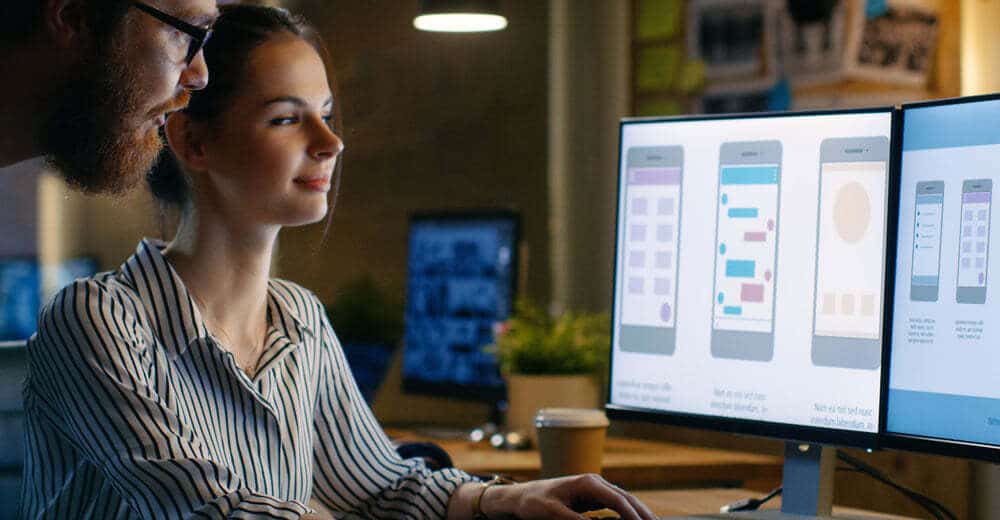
807	481
807	486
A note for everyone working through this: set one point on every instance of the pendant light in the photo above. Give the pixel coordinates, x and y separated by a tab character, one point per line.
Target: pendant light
459	16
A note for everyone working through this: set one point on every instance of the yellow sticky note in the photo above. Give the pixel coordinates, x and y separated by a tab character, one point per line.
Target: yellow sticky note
657	67
658	19
692	77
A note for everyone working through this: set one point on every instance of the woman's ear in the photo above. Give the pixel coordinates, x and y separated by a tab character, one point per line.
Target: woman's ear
184	139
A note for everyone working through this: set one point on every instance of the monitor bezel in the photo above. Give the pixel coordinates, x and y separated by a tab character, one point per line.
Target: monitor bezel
782	431
913	442
479	393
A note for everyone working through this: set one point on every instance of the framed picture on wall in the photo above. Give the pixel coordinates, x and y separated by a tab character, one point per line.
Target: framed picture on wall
813	40
897	47
734	38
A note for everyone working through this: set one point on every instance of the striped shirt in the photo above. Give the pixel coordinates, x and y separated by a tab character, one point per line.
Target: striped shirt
134	410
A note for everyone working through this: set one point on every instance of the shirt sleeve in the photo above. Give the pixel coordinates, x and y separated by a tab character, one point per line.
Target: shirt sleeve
94	378
355	467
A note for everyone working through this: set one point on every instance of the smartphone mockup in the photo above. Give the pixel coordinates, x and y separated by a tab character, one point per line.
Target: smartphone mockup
648	269
925	273
974	241
746	249
850	252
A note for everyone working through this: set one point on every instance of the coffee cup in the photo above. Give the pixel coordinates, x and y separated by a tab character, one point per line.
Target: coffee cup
570	440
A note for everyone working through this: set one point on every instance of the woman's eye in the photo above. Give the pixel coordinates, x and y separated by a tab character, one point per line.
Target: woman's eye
328	119
281	121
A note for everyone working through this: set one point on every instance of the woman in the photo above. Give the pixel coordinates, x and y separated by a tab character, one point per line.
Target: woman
190	384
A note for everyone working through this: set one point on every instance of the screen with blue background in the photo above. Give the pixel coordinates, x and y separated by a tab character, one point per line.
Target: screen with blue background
945	358
21	291
20	297
461	274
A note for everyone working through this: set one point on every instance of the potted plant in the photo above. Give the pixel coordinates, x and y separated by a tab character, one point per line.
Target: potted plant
551	361
369	327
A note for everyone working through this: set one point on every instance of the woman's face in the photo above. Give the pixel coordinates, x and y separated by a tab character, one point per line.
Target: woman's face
271	157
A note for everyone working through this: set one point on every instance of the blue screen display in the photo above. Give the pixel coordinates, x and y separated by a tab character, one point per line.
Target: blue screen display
945	362
20	298
460	285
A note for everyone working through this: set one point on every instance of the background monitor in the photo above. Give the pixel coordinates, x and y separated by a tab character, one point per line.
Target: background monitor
750	278
69	270
22	290
462	272
944	359
20	297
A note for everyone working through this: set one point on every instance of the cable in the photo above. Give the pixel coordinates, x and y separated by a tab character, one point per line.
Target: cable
935	508
932	506
939	512
750	504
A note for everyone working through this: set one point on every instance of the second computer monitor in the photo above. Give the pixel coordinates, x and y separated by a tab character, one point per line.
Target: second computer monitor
462	272
945	362
750	273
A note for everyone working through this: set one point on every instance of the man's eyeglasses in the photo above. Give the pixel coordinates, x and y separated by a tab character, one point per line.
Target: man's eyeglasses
199	35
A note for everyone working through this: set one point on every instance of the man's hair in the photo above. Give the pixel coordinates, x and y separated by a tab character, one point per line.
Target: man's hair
21	20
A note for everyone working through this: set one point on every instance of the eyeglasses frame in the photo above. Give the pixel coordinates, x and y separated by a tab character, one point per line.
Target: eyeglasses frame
199	35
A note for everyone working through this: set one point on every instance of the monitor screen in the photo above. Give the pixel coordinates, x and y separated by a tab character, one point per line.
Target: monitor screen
69	270
750	273
461	279
944	363
20	298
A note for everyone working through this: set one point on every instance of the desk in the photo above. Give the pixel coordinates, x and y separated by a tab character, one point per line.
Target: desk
630	463
679	502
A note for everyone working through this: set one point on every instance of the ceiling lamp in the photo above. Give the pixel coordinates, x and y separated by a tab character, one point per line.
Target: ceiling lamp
459	16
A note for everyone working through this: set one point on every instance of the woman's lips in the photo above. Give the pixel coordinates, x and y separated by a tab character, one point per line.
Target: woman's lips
315	183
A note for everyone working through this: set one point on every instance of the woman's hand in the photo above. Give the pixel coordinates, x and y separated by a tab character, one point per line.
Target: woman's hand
558	498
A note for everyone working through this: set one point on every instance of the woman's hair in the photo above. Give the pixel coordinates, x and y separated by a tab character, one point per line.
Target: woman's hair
238	31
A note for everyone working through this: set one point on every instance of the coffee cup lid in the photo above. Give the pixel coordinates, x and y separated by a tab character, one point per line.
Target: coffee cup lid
571	418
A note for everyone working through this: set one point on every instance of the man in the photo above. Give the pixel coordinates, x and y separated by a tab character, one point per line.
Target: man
87	83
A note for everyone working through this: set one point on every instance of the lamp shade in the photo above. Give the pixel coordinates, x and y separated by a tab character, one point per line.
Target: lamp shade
459	16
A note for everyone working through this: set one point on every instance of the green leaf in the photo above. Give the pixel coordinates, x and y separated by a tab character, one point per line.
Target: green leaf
534	343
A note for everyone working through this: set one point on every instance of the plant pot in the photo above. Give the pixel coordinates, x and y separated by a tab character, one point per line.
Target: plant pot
526	394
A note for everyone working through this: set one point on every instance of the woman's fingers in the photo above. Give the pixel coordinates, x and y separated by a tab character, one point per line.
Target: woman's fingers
564	499
644	511
601	491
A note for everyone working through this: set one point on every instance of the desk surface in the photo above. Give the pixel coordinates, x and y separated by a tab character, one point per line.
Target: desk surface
678	502
630	463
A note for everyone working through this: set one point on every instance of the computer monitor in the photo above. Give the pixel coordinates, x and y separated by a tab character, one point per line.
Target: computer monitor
944	363
462	273
750	281
20	297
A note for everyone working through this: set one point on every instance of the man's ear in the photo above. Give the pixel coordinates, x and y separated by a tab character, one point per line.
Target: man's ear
67	23
183	137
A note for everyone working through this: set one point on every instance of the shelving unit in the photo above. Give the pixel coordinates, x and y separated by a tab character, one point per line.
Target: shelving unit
659	34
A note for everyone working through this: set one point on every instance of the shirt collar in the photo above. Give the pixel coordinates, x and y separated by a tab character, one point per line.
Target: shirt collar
286	316
175	317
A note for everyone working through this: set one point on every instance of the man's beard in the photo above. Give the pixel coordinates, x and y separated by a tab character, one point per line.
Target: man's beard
98	137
